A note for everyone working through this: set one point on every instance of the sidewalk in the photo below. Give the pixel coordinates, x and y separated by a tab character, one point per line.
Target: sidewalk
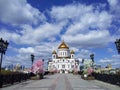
103	84
80	84
43	84
62	82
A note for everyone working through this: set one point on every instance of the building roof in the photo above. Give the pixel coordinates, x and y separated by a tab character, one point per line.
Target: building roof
63	45
72	52
54	52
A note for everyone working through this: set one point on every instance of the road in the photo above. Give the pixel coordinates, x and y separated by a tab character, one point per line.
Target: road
62	82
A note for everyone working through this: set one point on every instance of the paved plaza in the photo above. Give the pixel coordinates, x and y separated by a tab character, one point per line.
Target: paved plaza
62	82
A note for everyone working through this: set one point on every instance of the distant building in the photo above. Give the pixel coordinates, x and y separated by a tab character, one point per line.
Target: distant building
63	60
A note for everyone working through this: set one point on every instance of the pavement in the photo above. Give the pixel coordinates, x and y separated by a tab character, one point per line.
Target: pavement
62	82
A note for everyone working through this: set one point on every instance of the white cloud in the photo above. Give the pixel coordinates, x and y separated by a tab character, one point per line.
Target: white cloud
72	11
114	6
95	38
83	54
105	61
113	2
110	50
18	12
114	61
88	26
31	36
42	51
18	59
81	26
85	16
36	35
26	50
78	31
7	35
116	57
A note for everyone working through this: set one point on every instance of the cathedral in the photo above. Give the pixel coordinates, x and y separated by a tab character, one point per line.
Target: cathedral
63	60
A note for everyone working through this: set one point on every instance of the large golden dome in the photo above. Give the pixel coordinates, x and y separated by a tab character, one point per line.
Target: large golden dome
63	45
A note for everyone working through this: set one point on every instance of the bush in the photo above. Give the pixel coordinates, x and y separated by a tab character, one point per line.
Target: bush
118	72
46	72
32	74
5	72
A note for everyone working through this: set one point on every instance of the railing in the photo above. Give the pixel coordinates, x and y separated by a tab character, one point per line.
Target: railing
109	78
13	78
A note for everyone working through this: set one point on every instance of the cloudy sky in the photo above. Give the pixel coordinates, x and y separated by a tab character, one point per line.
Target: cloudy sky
39	26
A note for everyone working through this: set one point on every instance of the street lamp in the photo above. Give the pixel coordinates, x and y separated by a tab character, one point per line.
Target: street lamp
32	58
3	48
92	57
83	60
117	43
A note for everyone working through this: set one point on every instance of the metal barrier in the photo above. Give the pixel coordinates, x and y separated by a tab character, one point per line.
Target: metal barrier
109	78
12	78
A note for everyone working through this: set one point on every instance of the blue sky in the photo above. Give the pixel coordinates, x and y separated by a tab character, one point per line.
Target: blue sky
39	26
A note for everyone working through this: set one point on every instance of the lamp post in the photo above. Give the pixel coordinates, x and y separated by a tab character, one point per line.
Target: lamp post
92	58
83	60
3	48
32	58
117	43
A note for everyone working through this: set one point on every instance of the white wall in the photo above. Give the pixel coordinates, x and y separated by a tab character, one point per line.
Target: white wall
63	53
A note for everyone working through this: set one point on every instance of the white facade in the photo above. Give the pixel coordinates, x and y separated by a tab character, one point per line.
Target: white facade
63	60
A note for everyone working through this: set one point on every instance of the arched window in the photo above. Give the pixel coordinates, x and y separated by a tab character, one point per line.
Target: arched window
71	56
54	56
68	66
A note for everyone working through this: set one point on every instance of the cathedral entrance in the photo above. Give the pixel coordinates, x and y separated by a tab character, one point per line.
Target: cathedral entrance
63	71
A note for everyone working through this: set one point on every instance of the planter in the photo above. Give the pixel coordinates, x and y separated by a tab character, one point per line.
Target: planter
51	73
34	78
37	77
75	73
90	78
86	77
40	76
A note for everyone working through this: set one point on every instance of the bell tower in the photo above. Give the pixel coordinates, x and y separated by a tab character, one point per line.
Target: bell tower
54	54
72	53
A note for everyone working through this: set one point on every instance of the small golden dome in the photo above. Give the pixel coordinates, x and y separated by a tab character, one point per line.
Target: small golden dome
72	52
63	46
54	52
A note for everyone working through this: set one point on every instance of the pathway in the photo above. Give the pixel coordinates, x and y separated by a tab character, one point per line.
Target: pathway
62	82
